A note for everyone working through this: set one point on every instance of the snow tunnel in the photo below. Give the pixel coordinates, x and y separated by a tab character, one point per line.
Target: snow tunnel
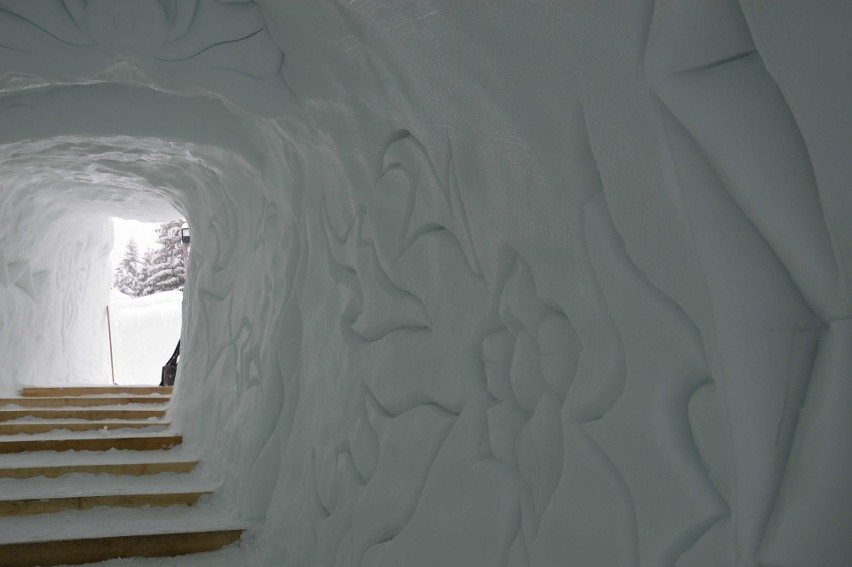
471	283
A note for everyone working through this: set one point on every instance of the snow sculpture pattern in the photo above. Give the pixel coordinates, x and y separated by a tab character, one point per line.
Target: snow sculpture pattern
538	412
706	91
530	365
259	347
179	44
20	274
591	307
404	249
71	259
679	482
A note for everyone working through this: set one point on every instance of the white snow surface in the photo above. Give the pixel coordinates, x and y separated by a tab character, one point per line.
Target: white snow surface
145	331
113	456
522	284
93	485
204	516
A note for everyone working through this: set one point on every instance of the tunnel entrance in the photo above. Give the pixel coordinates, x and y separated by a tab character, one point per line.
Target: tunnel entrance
175	153
144	310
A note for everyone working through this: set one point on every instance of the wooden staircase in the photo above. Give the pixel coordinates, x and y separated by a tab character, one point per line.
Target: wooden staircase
94	473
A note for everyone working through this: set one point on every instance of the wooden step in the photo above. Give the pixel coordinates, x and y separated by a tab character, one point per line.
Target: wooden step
33	427
130	469
140	443
32	506
88	414
95	391
90	550
75	401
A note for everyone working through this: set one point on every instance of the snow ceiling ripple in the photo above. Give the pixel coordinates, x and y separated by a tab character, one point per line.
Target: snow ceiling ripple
123	176
470	285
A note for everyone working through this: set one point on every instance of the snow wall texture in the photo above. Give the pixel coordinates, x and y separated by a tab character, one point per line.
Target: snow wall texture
471	283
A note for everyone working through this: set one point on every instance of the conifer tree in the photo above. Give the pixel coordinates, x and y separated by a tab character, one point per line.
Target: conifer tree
145	273
165	270
127	274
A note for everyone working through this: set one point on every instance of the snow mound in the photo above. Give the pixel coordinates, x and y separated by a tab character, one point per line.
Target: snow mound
145	331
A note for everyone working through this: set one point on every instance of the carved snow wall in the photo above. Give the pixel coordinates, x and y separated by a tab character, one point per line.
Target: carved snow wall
483	285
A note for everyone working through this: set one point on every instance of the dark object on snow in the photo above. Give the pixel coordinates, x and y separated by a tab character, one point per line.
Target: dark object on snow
167	377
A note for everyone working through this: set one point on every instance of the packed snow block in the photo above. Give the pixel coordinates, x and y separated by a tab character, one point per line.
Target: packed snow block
469	285
16	271
24	280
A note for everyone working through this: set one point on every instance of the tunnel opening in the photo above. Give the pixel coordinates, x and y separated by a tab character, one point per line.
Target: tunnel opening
144	313
57	291
71	159
71	156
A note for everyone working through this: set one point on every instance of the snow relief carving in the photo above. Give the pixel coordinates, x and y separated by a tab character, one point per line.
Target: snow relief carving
404	250
220	47
20	274
531	364
719	107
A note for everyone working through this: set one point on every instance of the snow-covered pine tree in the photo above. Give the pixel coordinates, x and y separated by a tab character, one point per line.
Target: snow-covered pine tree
126	276
165	270
145	272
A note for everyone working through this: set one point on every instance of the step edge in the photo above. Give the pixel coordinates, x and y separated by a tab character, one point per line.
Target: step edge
74	391
57	472
49	498
114	438
131	463
56	422
238	528
226	536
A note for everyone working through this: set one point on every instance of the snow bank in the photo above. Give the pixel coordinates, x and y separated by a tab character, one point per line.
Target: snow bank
469	285
145	331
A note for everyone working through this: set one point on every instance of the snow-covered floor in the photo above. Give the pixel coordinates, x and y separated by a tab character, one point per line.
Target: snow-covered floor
101	484
108	394
150	428
240	554
104	522
98	433
35	419
113	456
209	513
